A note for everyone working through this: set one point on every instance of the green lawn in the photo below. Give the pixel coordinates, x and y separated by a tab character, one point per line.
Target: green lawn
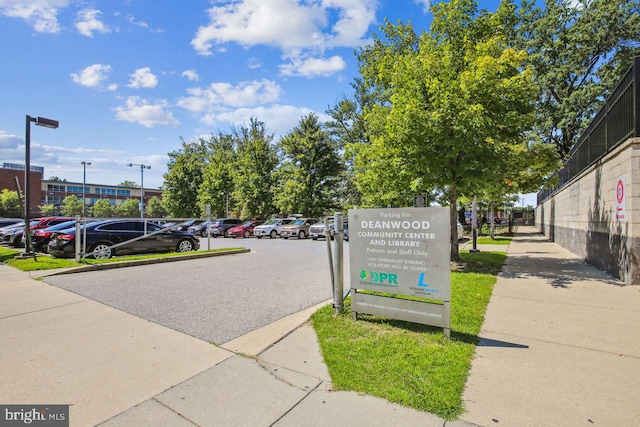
410	364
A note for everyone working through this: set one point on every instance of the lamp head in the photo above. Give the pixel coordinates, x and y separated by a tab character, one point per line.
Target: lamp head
129	164
48	123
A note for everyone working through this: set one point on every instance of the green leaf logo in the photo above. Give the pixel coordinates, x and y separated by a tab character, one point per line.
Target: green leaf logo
363	275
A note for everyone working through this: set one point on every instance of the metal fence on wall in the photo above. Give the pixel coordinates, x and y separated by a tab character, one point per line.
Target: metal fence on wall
617	121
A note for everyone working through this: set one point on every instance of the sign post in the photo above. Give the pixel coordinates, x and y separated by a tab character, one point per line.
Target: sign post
621	208
401	251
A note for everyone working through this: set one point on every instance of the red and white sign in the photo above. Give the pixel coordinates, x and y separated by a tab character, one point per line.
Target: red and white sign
621	210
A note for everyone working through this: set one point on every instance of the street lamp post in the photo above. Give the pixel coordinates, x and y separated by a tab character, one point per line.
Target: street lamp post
39	121
84	182
142	168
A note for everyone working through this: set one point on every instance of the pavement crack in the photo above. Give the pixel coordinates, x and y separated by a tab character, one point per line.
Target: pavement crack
43	309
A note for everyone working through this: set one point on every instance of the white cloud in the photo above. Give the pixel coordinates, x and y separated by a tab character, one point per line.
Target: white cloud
131	19
92	76
42	15
279	119
138	110
254	63
226	95
312	67
305	25
426	4
87	22
143	77
191	75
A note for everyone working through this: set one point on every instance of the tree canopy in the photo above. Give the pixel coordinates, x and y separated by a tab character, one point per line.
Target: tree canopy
455	108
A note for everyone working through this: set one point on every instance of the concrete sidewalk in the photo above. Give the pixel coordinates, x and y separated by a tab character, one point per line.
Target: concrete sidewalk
560	345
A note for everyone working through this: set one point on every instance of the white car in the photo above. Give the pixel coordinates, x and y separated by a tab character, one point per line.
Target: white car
271	228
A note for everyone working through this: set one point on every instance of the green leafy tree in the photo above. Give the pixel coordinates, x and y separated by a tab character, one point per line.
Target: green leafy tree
10	204
71	206
155	208
253	171
129	184
103	209
217	182
459	102
130	208
47	209
184	178
308	178
579	52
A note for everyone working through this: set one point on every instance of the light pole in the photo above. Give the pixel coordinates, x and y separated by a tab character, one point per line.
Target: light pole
142	168
39	121
84	182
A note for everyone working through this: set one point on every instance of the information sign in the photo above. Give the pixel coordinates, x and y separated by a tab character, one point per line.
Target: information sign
401	251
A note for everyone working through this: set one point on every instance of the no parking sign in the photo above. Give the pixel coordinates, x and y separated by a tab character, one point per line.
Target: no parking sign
621	210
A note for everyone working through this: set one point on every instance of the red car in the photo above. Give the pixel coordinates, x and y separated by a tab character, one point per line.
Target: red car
243	230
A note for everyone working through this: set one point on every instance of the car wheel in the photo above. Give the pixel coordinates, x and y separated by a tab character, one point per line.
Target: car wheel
185	245
203	233
302	235
273	234
258	237
101	251
314	238
247	234
285	237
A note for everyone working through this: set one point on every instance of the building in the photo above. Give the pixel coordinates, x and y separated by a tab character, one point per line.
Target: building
44	191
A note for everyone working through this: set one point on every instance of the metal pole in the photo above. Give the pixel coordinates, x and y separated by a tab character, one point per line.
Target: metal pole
27	185
338	226
331	270
78	238
141	191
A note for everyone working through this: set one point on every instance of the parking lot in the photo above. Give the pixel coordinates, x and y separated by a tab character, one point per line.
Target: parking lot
220	298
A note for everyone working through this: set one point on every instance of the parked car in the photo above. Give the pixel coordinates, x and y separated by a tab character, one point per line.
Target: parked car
184	225
271	228
243	230
219	226
199	229
4	222
5	232
16	237
298	228
317	230
41	238
103	235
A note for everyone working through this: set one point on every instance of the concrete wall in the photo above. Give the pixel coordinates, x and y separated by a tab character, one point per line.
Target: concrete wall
581	217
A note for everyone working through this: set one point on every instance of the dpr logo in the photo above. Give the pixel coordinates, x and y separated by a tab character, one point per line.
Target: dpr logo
379	277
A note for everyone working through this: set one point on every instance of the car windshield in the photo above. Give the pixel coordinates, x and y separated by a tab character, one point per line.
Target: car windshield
298	222
248	224
271	222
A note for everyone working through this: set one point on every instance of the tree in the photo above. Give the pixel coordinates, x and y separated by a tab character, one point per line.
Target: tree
71	206
155	208
10	204
253	171
184	178
47	209
217	182
103	209
130	208
129	184
457	103
579	51
307	179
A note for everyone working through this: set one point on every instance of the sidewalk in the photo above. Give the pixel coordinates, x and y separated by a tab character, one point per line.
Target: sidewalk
559	347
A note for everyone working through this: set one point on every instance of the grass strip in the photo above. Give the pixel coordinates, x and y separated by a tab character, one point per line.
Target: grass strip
45	262
497	240
406	363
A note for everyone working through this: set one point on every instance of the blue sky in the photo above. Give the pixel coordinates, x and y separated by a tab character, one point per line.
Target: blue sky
127	80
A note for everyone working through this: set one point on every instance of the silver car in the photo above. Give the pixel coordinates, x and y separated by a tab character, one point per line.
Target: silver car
271	228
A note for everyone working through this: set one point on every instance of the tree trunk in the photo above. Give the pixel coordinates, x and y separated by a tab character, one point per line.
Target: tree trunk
453	222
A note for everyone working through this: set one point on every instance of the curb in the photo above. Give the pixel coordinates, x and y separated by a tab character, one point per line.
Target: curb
133	263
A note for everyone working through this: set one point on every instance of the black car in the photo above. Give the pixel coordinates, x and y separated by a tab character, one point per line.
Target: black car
108	238
41	238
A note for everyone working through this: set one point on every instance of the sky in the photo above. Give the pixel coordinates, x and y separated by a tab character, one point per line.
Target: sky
129	80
